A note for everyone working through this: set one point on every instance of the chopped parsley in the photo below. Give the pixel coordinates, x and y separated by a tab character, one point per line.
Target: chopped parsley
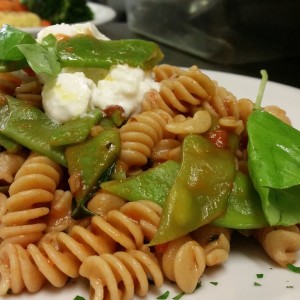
214	282
164	296
293	268
213	238
79	298
257	284
259	275
177	297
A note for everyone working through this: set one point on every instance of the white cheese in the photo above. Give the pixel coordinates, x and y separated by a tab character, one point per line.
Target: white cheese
67	96
71	31
123	86
77	89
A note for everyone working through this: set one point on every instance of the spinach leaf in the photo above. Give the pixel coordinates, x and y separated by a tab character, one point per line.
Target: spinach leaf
274	166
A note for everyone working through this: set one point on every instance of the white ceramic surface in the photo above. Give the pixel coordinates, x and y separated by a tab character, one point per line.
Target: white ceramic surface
237	277
102	14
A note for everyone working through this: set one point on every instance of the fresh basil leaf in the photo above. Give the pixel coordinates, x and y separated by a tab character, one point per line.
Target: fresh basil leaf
10	38
274	167
40	59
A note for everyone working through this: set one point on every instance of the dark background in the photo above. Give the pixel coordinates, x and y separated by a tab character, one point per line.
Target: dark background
276	23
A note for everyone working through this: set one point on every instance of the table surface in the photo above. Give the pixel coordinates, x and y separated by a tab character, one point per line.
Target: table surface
285	70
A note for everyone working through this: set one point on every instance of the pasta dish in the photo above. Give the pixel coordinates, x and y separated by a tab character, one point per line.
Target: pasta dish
122	171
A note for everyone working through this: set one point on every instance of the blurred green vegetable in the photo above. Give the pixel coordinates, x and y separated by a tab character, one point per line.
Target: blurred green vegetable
86	51
11	58
18	50
60	11
10	145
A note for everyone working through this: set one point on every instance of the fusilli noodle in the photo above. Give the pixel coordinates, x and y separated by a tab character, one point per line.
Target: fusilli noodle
121	275
183	261
280	243
29	197
140	134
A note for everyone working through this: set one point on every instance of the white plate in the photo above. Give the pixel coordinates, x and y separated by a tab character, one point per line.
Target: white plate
102	14
237	276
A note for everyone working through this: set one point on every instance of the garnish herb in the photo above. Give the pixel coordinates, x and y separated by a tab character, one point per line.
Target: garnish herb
164	296
79	298
179	296
293	268
214	282
259	275
257	284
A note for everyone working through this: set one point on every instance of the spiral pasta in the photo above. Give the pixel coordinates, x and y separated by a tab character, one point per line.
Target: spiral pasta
140	134
29	197
9	165
129	226
103	202
59	216
183	261
226	108
55	258
215	241
166	149
146	213
8	83
30	92
178	94
281	243
166	71
17	271
3	200
121	275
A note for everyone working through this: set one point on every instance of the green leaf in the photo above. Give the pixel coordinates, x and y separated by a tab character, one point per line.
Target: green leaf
89	161
10	38
75	130
40	59
200	191
86	51
274	167
10	145
30	127
293	268
257	284
164	296
153	184
79	298
244	209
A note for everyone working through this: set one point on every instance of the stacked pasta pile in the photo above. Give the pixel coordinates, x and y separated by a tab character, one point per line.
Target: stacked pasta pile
40	242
